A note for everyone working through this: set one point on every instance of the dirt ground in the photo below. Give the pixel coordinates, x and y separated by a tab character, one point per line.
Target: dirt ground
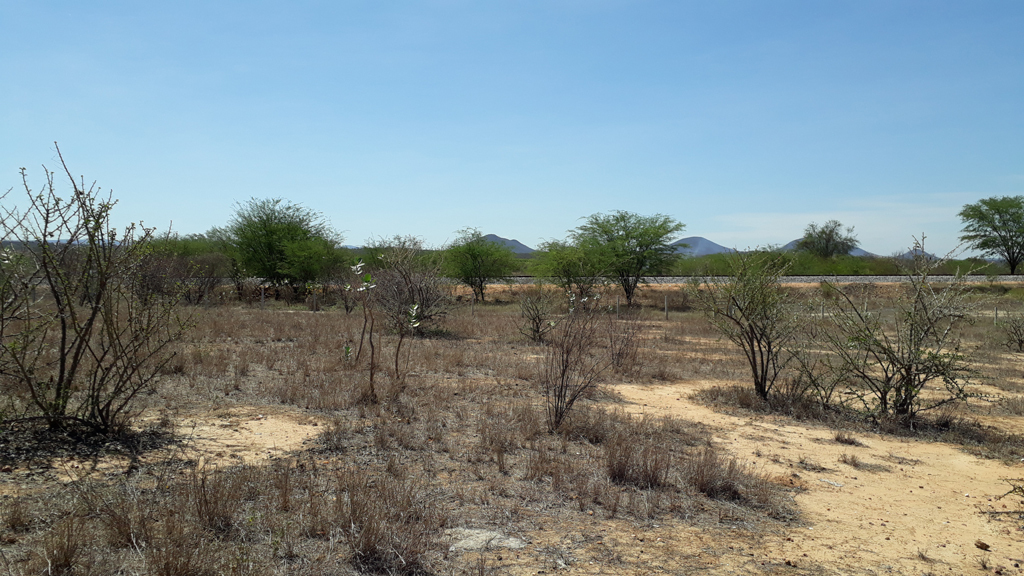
910	506
895	506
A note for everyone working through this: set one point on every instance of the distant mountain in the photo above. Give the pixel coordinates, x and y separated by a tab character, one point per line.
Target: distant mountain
854	252
698	246
516	246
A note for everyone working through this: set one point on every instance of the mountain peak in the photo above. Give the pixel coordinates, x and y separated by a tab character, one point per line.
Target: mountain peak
516	246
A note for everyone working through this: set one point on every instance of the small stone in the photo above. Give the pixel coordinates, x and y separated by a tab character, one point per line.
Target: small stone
981	545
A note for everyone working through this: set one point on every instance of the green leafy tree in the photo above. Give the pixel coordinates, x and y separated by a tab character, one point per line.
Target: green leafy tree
281	242
995	226
573	268
474	261
634	246
828	240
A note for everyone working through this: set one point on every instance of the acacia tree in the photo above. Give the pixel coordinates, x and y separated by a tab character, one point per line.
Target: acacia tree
474	261
576	269
634	246
750	308
281	242
995	226
828	240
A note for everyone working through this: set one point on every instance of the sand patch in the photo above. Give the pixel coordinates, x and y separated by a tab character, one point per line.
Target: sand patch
907	507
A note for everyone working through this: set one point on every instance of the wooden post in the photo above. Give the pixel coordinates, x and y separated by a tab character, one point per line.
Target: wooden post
666	306
822	309
996	316
263	296
616	307
472	305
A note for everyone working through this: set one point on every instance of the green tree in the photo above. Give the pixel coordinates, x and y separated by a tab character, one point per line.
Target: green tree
995	226
634	246
828	240
573	268
281	242
474	261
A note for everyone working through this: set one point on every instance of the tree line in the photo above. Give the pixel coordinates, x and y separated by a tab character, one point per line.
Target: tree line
88	311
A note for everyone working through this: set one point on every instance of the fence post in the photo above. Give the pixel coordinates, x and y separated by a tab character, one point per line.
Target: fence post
262	296
616	307
472	306
996	316
666	306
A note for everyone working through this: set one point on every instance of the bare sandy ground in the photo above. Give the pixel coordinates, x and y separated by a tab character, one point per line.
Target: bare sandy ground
910	507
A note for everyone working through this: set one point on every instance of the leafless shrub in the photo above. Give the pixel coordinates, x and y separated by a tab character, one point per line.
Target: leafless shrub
537	311
593	424
179	550
1013	404
126	516
623	336
406	276
850	460
1012	328
93	344
570	368
722	477
892	361
16	515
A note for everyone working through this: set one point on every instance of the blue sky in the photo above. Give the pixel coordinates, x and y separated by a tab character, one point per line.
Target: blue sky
743	120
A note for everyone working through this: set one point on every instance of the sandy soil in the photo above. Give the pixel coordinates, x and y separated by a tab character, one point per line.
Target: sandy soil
909	507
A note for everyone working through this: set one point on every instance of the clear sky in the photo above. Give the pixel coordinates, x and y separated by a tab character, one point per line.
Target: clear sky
743	120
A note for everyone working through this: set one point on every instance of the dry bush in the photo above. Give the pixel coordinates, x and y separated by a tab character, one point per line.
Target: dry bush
16	515
722	477
1012	328
592	424
537	313
391	526
846	438
850	460
62	550
623	338
570	368
1013	404
641	462
215	499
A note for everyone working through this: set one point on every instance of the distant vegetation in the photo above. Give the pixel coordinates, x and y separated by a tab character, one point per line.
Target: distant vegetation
807	264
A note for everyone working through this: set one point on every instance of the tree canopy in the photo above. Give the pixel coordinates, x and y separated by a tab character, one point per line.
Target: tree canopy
576	269
828	240
283	243
995	226
633	245
474	260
